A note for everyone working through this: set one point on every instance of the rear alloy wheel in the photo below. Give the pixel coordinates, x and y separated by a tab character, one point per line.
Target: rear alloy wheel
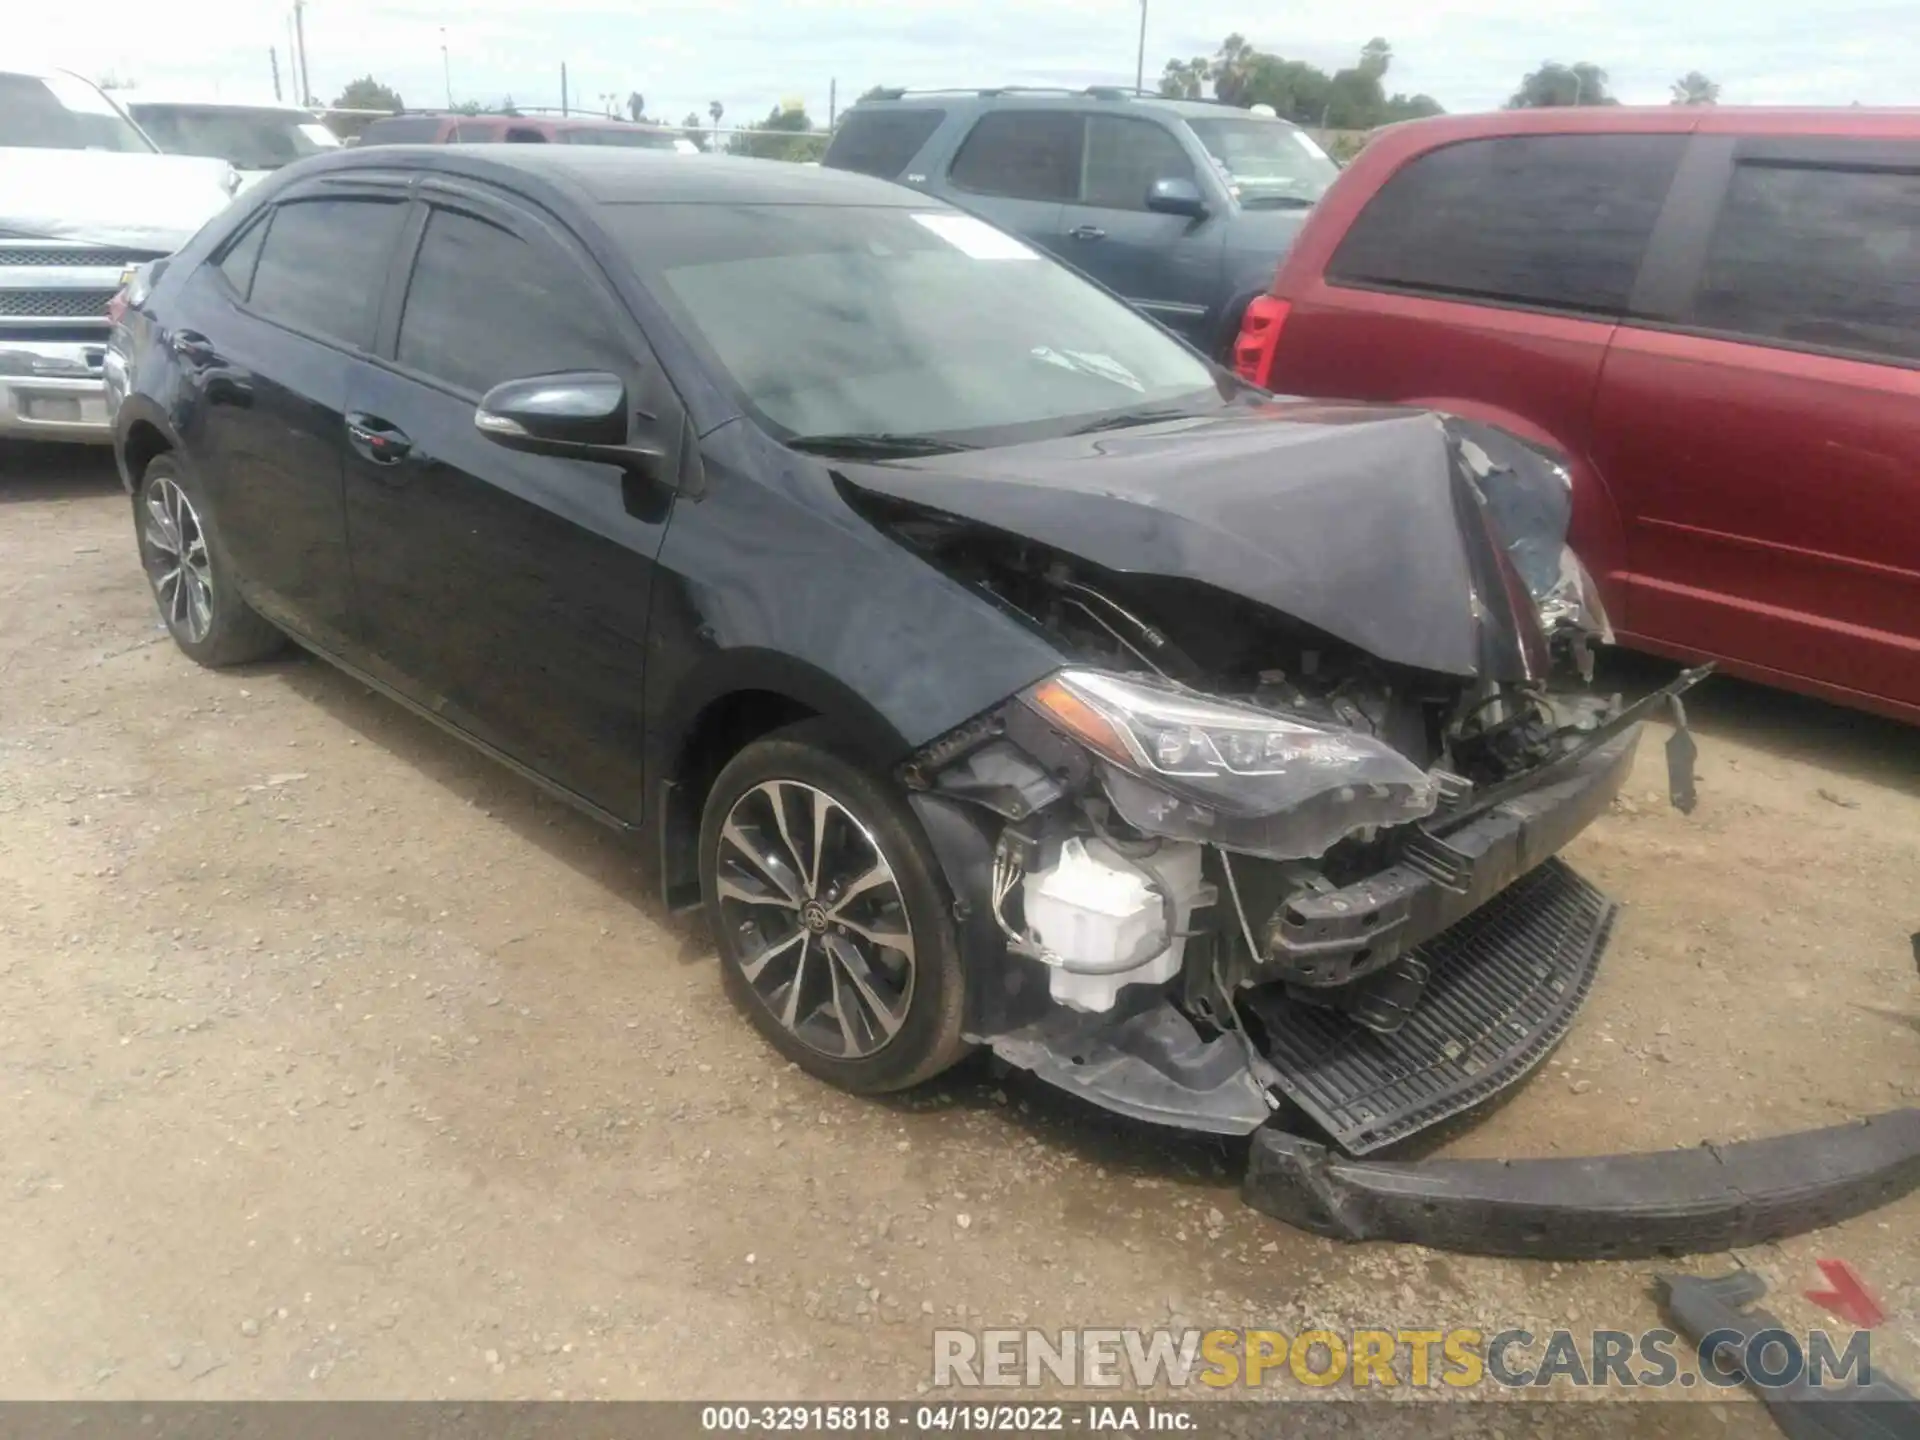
192	584
834	929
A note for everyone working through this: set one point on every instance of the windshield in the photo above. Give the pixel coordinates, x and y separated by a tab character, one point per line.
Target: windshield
263	139
630	139
844	320
1267	162
59	112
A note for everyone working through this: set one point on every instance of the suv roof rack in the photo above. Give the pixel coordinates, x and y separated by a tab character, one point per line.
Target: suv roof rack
1091	92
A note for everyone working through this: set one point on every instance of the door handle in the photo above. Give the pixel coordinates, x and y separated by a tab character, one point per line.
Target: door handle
193	347
1087	232
376	440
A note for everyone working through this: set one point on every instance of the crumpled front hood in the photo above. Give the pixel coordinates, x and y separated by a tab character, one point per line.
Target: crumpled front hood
132	199
1365	522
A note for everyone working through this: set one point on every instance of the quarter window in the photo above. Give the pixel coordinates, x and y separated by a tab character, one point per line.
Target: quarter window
242	255
1124	158
528	316
1555	221
324	264
1817	256
881	142
1022	154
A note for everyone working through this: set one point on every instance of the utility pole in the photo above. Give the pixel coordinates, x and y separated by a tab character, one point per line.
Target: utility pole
563	88
1140	63
446	66
273	59
300	39
833	102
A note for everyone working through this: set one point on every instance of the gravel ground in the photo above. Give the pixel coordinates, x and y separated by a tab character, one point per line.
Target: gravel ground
341	1063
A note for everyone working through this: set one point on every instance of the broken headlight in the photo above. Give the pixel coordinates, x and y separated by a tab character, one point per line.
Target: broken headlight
1191	767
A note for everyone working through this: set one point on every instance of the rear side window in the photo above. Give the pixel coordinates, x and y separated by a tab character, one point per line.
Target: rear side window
881	142
1022	154
532	317
1817	256
324	264
1124	158
402	130
1555	221
241	257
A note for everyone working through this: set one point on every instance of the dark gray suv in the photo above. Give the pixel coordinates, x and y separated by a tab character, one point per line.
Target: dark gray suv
1182	207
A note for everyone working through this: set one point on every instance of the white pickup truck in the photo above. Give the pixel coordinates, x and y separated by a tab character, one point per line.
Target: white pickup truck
84	197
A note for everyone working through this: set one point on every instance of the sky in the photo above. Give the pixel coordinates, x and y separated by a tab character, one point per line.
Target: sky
753	54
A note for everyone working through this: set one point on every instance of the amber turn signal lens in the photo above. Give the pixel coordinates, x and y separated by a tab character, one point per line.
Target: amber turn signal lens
1081	720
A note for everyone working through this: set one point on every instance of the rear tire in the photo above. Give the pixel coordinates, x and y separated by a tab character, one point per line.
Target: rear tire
833	921
192	580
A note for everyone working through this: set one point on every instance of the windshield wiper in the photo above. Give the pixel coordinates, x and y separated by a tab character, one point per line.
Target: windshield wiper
1127	419
877	446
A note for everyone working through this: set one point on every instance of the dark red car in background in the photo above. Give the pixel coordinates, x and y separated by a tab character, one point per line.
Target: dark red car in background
1710	316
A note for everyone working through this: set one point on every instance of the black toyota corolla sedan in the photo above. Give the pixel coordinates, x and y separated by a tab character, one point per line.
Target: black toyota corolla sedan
995	670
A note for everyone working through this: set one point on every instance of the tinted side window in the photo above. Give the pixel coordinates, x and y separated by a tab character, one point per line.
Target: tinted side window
1559	221
531	316
242	255
1025	154
402	130
324	264
1817	256
881	142
1124	157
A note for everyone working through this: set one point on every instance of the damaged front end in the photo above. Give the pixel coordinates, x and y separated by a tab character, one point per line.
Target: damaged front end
1231	870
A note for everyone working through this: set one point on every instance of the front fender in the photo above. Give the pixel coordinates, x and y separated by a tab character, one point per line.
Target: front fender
135	428
1598	532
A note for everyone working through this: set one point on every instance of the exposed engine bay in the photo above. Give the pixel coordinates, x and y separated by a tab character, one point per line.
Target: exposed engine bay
1229	849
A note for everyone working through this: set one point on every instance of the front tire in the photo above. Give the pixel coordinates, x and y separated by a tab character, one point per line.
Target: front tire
834	925
192	581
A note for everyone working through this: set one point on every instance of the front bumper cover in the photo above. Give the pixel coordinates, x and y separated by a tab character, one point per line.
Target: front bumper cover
54	390
1608	1207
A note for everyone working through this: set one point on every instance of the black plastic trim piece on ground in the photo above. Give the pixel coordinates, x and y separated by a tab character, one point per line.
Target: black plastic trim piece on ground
1871	1408
1606	1207
1504	986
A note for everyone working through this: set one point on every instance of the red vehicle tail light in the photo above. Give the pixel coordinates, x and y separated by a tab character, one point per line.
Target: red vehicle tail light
117	306
1259	337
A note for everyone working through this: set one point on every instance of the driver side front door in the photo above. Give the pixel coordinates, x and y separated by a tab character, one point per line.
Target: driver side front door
508	593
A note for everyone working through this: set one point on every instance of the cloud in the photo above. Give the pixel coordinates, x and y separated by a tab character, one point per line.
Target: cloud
750	54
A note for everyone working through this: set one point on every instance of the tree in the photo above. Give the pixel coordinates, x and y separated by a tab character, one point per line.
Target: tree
1232	69
1693	88
875	92
1556	84
1375	56
1186	79
692	129
784	135
114	80
366	93
636	106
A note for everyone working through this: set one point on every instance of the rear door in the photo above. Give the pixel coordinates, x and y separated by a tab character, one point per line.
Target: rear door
1017	168
507	592
267	337
1766	439
1168	265
1486	278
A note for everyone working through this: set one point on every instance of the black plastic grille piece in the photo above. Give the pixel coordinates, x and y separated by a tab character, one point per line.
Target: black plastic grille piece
1507	982
54	304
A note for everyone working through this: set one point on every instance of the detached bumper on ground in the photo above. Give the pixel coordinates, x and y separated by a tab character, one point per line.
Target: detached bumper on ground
1671	1202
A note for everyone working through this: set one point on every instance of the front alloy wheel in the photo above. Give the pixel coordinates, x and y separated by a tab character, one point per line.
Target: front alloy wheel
833	920
822	930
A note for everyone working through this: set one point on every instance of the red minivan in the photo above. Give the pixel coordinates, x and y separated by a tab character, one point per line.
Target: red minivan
1711	316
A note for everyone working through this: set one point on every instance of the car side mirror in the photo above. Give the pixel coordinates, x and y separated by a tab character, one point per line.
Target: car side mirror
1173	196
579	415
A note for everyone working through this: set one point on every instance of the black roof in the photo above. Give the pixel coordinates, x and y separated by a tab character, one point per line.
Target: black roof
612	176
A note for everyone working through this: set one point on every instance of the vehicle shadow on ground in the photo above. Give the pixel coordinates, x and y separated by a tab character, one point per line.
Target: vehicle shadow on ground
55	472
1794	727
